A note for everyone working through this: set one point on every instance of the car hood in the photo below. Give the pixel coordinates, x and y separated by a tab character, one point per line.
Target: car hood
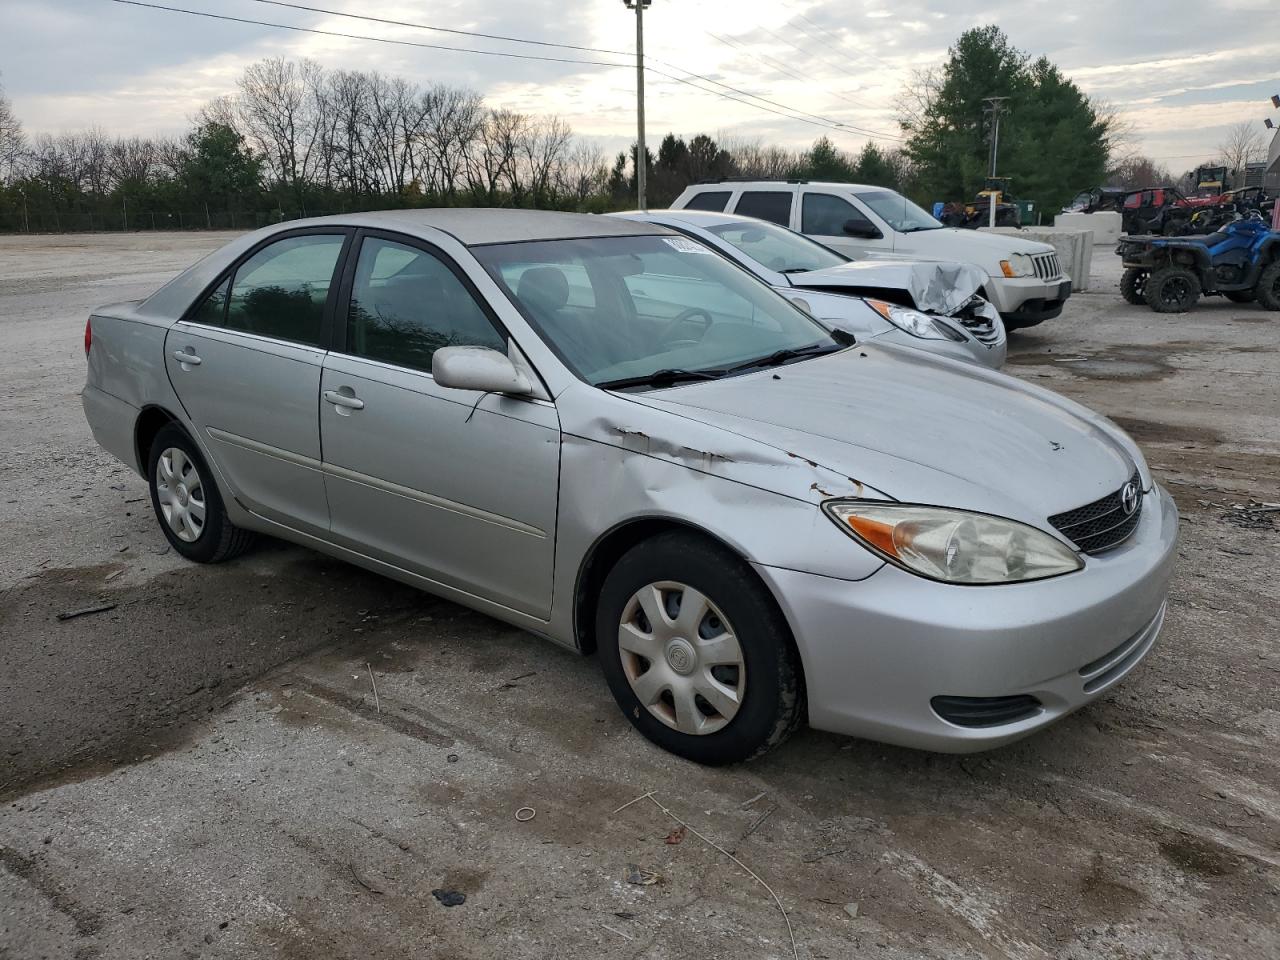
941	287
920	429
951	243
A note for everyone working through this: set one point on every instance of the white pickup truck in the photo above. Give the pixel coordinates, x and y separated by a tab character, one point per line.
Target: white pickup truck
1025	281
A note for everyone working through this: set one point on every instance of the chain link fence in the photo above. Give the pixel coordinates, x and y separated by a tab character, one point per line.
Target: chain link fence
88	221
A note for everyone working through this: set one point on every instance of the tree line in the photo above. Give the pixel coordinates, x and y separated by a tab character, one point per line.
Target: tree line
297	139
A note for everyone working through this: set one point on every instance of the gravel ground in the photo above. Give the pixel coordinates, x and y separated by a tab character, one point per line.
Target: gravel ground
207	770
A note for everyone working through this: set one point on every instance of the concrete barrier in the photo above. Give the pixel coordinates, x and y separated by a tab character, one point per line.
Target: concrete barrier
1107	225
1074	247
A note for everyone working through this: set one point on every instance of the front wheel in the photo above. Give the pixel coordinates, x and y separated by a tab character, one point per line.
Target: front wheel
696	653
1268	288
187	503
1172	289
1133	285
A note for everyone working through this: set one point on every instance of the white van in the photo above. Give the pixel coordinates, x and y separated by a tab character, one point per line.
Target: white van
1025	281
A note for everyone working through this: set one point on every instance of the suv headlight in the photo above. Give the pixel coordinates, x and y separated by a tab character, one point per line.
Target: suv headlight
1018	265
914	322
954	546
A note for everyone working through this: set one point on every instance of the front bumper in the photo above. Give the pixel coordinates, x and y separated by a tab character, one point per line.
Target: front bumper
1026	301
876	651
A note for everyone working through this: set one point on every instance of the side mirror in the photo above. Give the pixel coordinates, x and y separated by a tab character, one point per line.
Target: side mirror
863	229
478	368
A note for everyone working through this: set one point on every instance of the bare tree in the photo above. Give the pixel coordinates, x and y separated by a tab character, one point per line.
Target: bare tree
13	142
279	113
917	98
453	119
1243	146
542	146
584	173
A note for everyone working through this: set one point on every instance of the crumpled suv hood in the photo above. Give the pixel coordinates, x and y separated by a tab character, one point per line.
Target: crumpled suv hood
920	429
935	286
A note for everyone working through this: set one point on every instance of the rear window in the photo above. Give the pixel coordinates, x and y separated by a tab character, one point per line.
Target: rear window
714	200
771	205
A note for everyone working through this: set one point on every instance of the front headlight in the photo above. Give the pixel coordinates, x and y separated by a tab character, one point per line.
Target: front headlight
916	323
954	546
1018	265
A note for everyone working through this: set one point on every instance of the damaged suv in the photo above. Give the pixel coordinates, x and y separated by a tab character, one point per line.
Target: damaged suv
604	433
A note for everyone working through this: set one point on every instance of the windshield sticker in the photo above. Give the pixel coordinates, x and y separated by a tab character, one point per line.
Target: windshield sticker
683	245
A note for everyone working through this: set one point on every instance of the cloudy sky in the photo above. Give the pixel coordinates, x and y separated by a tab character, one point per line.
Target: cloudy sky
1181	76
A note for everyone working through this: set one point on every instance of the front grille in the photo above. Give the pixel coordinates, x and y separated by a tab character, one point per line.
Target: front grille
1046	265
985	711
1103	524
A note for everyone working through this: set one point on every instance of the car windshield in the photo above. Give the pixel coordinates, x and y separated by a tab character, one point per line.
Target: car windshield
777	247
626	311
899	212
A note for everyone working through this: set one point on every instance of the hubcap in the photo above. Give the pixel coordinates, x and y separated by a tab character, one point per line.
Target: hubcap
682	658
180	492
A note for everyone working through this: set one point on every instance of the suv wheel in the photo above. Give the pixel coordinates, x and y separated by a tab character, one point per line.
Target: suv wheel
696	652
187	503
1133	285
1268	288
1172	289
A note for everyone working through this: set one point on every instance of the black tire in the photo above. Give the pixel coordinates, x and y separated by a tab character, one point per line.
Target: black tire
771	701
1240	296
217	538
1133	286
1172	289
1268	288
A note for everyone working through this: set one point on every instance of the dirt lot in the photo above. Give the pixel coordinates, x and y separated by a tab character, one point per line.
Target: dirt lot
206	770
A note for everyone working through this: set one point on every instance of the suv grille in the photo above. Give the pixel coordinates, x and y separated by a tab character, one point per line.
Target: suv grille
1103	524
1046	265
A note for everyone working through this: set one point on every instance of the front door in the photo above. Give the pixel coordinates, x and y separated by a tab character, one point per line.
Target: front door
837	222
245	364
454	485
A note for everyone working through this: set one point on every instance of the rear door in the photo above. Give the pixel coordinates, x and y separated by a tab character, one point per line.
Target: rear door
454	485
839	222
245	362
773	202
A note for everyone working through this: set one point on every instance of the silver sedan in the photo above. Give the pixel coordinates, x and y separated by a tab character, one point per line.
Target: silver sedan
603	433
928	305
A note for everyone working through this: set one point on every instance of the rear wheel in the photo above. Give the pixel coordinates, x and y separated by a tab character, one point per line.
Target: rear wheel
1268	288
1133	285
696	652
187	503
1172	289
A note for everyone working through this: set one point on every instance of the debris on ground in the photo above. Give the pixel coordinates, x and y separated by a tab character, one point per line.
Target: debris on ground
641	878
358	878
1256	515
675	836
449	898
84	612
852	910
617	932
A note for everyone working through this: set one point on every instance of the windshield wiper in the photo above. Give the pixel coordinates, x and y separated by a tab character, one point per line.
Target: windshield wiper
796	270
661	378
779	357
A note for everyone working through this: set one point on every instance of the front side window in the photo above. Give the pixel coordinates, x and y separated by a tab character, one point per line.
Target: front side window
281	290
714	200
899	212
621	308
777	247
824	215
771	205
406	304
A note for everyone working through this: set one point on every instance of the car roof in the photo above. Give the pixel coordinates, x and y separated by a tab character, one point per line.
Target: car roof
697	218
736	182
476	226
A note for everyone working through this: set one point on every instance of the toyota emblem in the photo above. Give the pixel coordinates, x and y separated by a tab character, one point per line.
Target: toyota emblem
1129	498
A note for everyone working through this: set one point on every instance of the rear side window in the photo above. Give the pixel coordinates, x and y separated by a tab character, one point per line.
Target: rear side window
714	200
213	312
281	290
774	206
823	215
406	304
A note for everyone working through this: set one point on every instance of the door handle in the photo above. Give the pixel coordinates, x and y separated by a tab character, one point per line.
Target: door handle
190	359
344	400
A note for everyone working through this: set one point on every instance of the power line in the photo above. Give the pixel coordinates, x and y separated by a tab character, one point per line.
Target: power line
827	43
509	39
353	36
816	121
424	26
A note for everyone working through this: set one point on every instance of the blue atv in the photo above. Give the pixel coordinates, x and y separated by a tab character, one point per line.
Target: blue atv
1240	262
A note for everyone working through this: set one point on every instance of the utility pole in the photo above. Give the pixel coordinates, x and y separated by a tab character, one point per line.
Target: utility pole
995	107
642	155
